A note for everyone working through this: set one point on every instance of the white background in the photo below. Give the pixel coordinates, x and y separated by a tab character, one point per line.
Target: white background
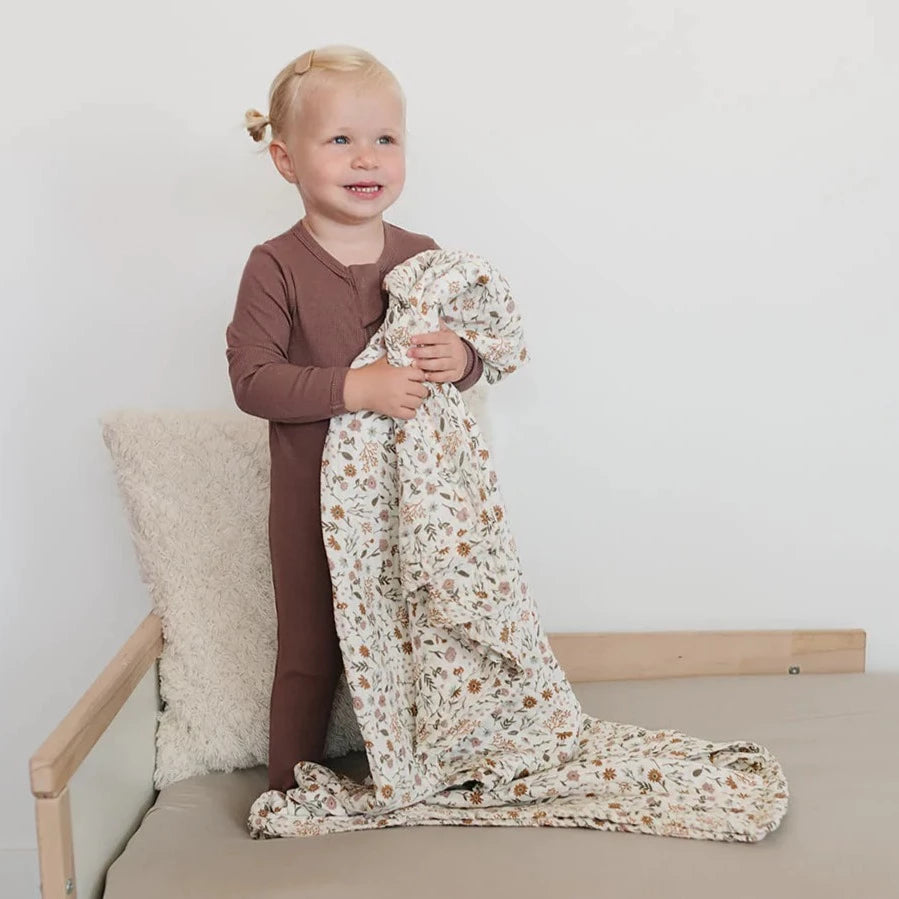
695	203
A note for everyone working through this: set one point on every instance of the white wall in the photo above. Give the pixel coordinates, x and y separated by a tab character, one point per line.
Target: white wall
696	207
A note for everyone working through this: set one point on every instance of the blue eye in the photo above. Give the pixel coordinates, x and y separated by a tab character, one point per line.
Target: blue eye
382	137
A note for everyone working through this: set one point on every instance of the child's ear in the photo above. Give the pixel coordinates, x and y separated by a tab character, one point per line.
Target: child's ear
282	161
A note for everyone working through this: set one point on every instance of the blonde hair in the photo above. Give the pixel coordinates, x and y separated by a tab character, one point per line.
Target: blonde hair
314	68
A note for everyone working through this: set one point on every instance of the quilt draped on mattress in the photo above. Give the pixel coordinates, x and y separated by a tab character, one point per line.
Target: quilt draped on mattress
466	714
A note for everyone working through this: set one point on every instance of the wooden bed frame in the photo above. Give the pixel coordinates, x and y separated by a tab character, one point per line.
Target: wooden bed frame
103	722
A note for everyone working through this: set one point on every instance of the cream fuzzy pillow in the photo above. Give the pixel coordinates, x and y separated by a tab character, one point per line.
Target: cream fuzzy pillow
195	485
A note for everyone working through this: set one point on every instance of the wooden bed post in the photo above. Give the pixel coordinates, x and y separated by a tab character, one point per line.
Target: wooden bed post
54	845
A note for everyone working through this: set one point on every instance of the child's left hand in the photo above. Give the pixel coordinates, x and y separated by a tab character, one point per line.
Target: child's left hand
441	355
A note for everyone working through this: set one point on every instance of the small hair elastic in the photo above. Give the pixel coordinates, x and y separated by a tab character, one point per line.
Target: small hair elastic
304	63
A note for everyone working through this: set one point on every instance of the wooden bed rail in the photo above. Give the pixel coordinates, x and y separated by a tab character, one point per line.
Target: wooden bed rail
638	656
65	749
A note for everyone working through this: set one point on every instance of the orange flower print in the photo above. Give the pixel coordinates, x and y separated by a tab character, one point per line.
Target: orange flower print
387	791
529	702
476	797
609	774
647	820
337	512
364	651
407	647
520	789
655	775
731	783
498	512
400	436
547	695
457	671
363	682
333	543
463	549
349	471
474	685
484	454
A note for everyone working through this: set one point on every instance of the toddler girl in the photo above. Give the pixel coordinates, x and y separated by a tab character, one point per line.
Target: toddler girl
308	302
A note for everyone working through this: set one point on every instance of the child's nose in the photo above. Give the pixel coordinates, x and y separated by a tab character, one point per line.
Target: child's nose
366	156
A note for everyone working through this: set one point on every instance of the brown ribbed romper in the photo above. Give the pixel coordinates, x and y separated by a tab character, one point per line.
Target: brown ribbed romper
300	319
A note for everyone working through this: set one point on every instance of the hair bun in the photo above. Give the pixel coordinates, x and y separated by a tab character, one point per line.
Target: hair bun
255	122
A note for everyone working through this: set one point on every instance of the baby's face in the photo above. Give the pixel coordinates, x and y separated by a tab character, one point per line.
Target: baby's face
348	134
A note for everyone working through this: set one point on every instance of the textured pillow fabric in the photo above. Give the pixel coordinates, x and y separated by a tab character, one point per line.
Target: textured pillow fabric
195	485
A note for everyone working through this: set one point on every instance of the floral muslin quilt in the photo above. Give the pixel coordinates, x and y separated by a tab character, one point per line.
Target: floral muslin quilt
466	715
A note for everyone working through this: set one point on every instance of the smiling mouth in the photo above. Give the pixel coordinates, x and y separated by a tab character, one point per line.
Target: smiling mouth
368	189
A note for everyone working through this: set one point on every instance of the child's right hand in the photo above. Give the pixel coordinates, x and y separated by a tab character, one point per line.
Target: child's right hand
385	388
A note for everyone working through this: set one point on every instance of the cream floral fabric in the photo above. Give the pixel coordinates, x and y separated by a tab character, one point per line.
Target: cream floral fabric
466	714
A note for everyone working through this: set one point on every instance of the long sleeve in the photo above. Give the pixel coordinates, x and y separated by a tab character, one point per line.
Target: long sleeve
264	382
473	371
475	367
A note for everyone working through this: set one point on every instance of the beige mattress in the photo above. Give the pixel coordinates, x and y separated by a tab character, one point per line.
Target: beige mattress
836	736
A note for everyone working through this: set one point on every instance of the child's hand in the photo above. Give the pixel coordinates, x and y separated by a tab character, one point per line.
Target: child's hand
441	355
385	388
